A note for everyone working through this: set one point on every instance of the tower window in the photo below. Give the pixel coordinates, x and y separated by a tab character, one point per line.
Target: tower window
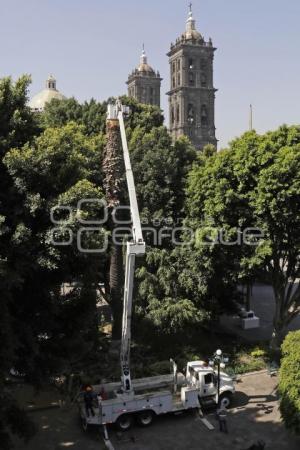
191	79
204	115
203	80
177	113
172	115
174	66
203	63
178	64
190	114
151	92
191	63
178	79
173	82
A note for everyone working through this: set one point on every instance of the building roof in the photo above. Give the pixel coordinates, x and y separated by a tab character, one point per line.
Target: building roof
38	101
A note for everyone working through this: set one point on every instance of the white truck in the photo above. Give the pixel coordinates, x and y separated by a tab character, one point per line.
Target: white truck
145	398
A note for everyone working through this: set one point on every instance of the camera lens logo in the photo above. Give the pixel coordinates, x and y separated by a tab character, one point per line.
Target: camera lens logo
90	236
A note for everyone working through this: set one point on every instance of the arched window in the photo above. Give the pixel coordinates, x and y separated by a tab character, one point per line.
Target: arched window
191	63
178	64
173	82
204	115
178	79
191	79
172	114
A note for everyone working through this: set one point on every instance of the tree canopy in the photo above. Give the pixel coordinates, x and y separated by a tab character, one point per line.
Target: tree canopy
253	187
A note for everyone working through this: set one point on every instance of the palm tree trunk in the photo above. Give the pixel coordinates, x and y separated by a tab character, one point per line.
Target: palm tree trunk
113	168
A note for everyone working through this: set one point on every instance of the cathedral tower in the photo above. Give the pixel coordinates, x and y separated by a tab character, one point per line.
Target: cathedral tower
192	94
144	84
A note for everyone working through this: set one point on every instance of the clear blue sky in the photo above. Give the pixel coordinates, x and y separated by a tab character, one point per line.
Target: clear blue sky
92	45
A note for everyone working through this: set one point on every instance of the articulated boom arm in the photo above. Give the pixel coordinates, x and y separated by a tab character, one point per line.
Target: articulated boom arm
134	247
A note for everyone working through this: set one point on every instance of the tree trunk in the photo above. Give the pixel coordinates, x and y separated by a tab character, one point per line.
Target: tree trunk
113	168
279	323
277	336
248	295
116	281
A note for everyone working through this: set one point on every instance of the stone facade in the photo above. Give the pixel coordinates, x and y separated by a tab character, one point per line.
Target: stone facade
192	93
144	83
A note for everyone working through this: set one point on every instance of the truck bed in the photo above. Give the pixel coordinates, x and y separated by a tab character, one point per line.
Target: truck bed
159	401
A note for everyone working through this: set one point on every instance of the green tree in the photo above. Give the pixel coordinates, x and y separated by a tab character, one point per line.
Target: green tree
253	184
160	169
289	381
56	169
91	114
17	126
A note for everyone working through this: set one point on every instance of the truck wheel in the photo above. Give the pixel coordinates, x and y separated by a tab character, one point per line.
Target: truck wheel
225	400
145	418
124	422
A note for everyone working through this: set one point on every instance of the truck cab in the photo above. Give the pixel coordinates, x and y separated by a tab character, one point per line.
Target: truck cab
205	379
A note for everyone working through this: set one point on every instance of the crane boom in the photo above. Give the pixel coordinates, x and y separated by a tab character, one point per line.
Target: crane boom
134	247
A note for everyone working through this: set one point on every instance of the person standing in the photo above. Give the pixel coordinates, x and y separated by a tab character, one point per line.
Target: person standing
88	401
222	417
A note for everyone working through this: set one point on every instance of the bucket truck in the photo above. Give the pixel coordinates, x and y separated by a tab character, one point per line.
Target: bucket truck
142	399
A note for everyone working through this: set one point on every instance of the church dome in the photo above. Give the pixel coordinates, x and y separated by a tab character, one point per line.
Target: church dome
38	101
145	68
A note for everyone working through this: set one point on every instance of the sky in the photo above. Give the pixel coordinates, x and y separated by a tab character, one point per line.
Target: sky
91	46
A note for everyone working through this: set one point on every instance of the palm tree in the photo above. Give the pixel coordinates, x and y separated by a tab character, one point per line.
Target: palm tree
114	176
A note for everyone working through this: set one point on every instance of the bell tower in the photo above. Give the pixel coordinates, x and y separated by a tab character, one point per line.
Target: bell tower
144	83
192	93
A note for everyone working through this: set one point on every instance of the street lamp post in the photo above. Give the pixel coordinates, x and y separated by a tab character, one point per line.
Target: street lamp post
218	360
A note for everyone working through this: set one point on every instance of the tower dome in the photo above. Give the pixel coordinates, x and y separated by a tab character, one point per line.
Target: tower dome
144	66
144	83
38	101
190	29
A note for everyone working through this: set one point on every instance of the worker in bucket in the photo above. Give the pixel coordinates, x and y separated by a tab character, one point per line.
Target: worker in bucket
88	397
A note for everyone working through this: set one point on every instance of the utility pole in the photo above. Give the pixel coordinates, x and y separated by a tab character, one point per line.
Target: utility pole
251	118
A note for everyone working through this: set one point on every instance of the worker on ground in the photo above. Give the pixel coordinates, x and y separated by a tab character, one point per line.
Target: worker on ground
222	417
88	400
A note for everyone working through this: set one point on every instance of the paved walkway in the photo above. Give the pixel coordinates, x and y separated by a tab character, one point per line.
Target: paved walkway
263	304
255	416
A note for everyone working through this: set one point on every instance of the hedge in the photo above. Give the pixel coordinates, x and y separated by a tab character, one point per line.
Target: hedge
289	381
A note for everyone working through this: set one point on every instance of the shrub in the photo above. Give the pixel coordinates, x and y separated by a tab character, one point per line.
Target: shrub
289	381
246	361
258	353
